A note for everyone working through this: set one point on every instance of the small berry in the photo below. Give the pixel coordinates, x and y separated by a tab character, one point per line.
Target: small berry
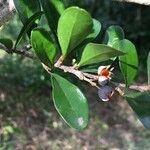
102	80
104	71
105	93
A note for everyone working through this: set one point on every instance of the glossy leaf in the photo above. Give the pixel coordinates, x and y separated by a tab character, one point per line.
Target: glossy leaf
113	34
7	43
95	53
26	27
70	102
94	33
140	103
52	9
128	62
74	26
148	68
43	46
95	30
26	8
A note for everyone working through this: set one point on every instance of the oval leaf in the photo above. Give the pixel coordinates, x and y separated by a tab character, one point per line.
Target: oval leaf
26	8
148	68
70	103
73	27
128	62
95	53
94	33
113	34
140	103
43	46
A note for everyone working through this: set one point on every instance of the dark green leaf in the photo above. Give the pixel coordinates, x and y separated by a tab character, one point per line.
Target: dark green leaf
27	27
26	8
52	9
113	34
95	53
73	27
128	62
70	102
43	46
148	68
7	43
140	103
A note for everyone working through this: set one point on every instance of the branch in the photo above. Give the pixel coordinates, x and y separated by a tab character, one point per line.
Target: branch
92	79
23	52
82	76
141	88
143	2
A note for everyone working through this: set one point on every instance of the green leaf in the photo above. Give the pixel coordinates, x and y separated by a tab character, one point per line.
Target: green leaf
128	62
113	34
52	9
70	103
26	27
43	46
94	33
95	53
74	26
7	43
148	68
26	8
140	103
95	30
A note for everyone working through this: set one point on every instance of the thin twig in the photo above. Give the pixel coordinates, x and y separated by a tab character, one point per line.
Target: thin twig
141	88
78	74
71	69
23	52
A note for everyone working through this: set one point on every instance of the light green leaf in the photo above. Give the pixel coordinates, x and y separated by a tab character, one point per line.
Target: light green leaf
148	68
140	103
74	26
26	8
70	103
43	46
113	34
52	9
128	62
95	53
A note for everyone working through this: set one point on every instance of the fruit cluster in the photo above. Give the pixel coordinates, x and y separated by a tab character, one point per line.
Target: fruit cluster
106	91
